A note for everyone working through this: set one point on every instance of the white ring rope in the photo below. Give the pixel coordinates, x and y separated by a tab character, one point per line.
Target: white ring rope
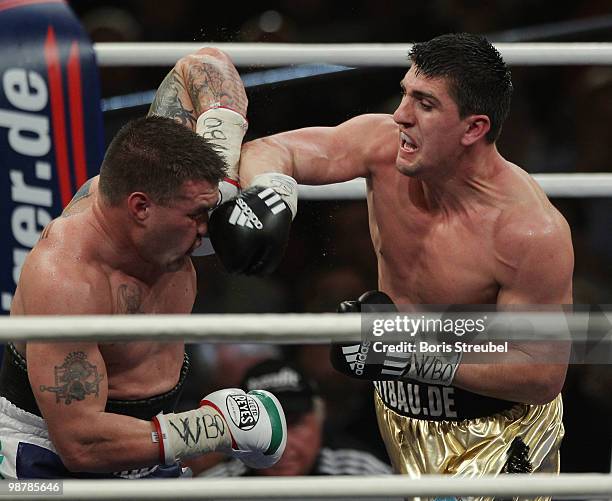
555	185
376	54
351	487
269	328
258	54
294	328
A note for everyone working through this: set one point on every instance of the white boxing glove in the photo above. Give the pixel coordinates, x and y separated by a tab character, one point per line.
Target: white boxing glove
249	426
256	422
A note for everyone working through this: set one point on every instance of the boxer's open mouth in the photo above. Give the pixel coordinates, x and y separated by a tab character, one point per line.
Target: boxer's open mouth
407	143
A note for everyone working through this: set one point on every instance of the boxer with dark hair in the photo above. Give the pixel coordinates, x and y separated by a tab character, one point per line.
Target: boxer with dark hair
123	246
452	222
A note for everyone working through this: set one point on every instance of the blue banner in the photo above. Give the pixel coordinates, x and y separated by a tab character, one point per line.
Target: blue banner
51	131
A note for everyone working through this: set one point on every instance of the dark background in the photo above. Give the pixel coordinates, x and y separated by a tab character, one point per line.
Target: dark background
559	122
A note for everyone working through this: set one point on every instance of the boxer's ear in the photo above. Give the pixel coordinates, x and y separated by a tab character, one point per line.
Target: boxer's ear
476	127
138	205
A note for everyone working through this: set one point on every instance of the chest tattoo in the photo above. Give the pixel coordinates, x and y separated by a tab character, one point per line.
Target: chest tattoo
129	299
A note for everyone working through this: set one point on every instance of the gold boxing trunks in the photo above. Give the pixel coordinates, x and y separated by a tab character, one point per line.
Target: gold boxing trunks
472	447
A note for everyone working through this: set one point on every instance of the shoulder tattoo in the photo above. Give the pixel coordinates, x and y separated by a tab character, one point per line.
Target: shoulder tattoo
83	192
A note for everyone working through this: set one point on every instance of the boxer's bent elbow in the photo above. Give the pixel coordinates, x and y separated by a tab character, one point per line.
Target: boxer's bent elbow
205	55
77	458
79	454
185	62
547	386
213	52
545	383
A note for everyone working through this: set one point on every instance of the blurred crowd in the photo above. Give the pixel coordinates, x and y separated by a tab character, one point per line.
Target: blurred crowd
558	123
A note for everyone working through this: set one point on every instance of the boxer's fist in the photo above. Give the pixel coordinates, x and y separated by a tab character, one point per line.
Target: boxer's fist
358	360
377	300
256	422
250	232
250	426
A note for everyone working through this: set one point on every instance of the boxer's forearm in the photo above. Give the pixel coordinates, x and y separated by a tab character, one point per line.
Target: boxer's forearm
211	80
105	442
268	154
172	101
316	155
516	379
197	83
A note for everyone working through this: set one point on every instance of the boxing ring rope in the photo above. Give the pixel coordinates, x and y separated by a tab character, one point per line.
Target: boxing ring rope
260	54
293	328
555	185
378	54
349	487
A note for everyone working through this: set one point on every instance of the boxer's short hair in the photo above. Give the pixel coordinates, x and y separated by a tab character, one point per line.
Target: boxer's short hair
479	80
156	155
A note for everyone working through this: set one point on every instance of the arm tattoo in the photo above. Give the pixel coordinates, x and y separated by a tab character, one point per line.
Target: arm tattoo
167	102
75	379
129	299
207	83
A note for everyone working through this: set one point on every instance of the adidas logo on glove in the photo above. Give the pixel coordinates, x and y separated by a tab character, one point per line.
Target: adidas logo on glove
250	232
356	356
242	215
272	200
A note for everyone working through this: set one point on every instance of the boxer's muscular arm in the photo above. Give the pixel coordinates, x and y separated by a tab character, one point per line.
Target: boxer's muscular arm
205	93
323	155
69	379
196	83
535	267
85	437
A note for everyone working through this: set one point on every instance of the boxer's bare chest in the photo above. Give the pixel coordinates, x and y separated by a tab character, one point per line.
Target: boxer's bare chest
171	293
139	369
133	366
437	258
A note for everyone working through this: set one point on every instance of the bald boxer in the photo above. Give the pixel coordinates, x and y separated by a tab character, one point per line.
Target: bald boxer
452	222
123	246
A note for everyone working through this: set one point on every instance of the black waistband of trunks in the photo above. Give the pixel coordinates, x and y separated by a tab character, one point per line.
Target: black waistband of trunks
15	387
438	403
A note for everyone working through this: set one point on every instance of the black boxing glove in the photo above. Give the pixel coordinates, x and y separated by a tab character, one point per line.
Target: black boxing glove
377	300
363	362
359	360
250	232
